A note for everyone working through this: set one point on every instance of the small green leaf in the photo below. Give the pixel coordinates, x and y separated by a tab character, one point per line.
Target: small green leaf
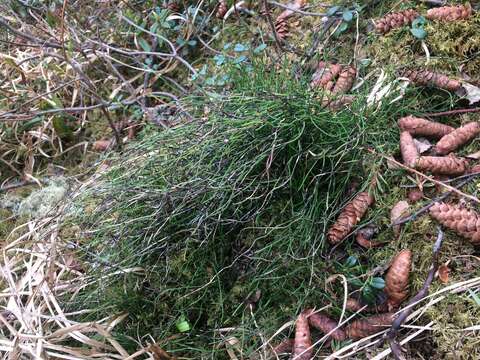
419	33
351	261
144	45
377	283
342	28
219	59
332	10
227	46
475	297
240	59
182	325
260	48
368	294
365	62
355	282
192	42
419	22
347	15
240	48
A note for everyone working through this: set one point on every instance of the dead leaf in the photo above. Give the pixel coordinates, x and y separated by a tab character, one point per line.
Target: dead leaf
422	145
159	353
443	273
472	93
474	156
399	210
102	145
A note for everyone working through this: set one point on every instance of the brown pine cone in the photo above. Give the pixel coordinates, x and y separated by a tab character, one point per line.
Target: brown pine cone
281	23
345	80
442	165
222	9
284	347
173	6
408	149
349	217
430	78
325	75
355	305
396	280
324	324
338	103
450	13
463	221
361	328
457	138
302	347
421	127
395	20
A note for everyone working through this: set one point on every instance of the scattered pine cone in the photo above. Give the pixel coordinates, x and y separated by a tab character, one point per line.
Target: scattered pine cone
355	305
303	339
338	103
421	127
442	165
349	217
457	138
173	6
408	149
430	78
395	20
396	280
324	324
284	347
281	23
222	9
345	80
325	75
463	221
361	328
450	13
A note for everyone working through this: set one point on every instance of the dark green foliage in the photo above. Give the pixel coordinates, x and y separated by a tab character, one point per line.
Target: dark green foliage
221	207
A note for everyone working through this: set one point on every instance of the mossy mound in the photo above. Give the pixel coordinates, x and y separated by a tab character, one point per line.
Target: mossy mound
454	47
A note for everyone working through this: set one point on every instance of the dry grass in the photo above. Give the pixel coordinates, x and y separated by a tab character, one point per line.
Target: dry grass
38	272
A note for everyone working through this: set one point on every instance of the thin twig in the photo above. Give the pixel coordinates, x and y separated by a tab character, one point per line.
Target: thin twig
442	197
272	26
453	112
397	323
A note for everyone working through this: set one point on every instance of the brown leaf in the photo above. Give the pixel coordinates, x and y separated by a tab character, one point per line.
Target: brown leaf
443	273
399	210
159	353
102	145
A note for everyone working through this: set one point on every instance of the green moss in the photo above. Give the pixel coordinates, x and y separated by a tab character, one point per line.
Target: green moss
453	47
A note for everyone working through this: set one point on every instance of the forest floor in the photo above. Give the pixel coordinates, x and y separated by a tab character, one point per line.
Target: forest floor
170	175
